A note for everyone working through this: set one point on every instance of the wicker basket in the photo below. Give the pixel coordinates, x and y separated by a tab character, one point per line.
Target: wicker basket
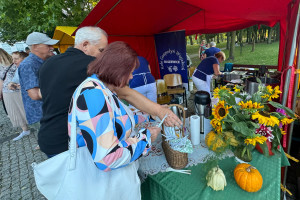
175	159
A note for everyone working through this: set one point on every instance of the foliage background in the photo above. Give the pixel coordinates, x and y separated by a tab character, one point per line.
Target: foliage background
18	18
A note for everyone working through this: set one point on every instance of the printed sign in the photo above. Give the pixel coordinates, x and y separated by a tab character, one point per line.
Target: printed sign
171	54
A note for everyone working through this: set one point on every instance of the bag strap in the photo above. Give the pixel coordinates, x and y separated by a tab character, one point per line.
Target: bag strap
72	144
7	71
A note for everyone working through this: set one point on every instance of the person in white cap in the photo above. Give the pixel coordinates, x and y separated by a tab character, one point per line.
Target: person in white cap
41	49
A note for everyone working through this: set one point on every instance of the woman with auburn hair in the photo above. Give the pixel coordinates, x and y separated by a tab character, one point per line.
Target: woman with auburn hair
12	95
106	124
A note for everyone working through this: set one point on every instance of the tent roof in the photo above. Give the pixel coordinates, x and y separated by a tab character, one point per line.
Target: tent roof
148	17
64	34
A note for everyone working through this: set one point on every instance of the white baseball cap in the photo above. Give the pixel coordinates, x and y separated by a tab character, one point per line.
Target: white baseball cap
39	38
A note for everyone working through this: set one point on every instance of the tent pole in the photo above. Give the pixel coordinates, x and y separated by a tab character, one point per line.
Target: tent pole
291	60
286	86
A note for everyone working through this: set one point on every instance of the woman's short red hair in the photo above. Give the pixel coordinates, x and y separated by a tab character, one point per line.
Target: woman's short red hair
115	64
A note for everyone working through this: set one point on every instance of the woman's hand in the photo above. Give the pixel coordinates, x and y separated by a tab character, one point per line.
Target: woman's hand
12	86
172	120
154	132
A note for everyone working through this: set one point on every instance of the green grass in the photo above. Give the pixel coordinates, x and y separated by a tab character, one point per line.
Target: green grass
264	54
192	49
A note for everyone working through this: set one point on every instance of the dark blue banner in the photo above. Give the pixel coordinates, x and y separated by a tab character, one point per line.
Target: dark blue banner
171	54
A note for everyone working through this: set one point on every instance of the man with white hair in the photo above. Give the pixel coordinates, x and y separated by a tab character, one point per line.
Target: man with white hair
41	49
62	74
212	50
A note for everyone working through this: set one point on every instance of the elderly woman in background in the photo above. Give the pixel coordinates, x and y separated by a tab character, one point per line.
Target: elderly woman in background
209	66
11	92
18	57
143	81
107	125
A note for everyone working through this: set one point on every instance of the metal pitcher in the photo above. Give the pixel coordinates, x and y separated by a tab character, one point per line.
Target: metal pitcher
176	111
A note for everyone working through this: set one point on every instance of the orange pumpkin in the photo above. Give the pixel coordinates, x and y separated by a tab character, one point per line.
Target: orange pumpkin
248	177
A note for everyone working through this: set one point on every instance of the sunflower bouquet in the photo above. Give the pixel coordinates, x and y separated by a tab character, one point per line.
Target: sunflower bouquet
241	121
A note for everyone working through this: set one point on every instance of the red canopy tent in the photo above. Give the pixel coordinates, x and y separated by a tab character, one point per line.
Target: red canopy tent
136	21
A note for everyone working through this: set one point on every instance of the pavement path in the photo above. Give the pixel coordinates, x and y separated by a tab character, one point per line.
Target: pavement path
16	175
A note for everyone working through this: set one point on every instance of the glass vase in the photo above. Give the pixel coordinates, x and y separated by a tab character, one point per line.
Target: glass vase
243	153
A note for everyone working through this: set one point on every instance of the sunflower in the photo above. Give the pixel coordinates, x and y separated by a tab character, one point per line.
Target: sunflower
218	89
275	93
265	96
269	89
259	139
220	110
236	89
216	124
265	118
250	105
272	93
286	120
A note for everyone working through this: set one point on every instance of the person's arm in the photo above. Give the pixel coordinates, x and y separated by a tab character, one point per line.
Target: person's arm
30	82
216	68
34	93
142	103
149	68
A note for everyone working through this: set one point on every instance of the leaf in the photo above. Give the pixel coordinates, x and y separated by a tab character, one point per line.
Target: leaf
231	101
277	115
256	98
287	110
258	80
239	117
242	128
228	120
252	124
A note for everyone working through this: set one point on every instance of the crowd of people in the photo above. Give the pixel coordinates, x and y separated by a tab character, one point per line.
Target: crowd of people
37	91
10	90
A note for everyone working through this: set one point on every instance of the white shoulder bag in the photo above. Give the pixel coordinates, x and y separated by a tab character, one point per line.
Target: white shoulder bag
73	175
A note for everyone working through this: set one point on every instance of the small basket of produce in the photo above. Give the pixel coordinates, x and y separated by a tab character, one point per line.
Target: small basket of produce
176	146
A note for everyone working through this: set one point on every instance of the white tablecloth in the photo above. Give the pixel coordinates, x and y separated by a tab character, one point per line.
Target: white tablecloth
155	161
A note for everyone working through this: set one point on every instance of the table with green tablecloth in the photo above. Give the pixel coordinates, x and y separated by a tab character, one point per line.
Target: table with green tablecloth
177	186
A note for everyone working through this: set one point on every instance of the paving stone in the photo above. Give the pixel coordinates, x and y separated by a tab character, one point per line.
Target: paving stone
16	176
5	196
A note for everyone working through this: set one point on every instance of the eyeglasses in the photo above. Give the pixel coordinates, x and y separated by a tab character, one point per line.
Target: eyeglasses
101	49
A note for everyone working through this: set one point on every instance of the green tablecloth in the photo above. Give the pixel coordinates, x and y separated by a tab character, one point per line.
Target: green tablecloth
176	186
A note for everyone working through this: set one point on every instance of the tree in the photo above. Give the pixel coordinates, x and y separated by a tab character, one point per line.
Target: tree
222	37
18	18
232	45
269	35
228	40
248	35
254	33
191	40
240	40
218	38
277	32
